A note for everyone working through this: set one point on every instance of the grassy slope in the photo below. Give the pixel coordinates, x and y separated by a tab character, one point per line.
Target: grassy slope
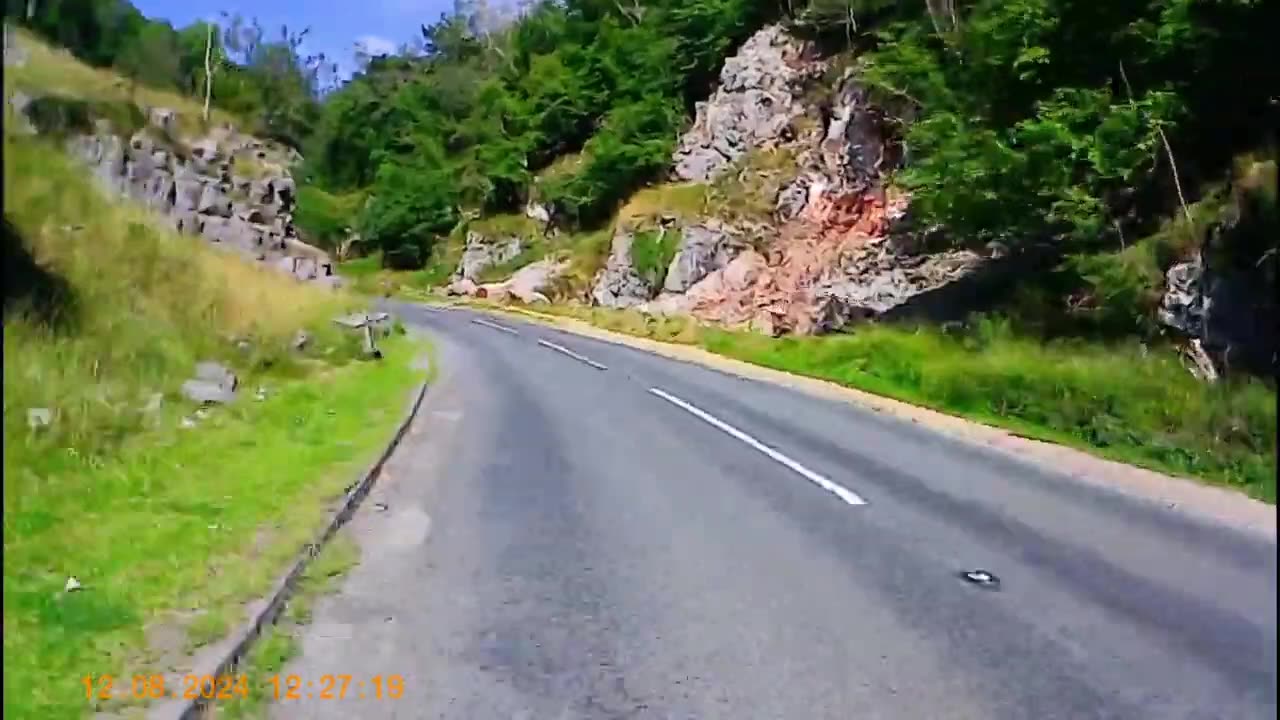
166	528
53	70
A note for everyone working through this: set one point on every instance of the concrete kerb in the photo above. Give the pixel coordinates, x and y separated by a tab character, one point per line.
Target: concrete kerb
239	644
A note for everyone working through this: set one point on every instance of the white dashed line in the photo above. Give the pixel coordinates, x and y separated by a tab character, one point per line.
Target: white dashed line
572	354
434	308
839	491
495	326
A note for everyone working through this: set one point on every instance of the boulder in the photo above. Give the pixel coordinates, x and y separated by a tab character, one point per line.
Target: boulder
618	285
188	190
482	253
465	287
213	202
306	269
164	119
213	383
743	270
230	231
206	151
531	283
217	373
285	190
206	393
185	221
1182	307
704	248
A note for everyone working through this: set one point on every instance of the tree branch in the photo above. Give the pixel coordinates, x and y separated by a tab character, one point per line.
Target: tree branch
1168	149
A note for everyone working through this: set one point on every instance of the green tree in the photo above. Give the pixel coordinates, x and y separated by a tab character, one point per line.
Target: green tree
153	57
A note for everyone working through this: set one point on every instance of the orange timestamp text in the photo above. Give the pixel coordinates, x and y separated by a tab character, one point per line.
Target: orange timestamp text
228	687
187	687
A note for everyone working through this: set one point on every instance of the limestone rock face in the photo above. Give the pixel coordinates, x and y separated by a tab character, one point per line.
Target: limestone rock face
755	102
704	248
1222	299
834	251
194	185
618	285
482	253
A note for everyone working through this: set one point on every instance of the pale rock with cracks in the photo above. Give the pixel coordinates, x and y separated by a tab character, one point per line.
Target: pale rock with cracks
195	186
482	253
757	99
831	254
618	285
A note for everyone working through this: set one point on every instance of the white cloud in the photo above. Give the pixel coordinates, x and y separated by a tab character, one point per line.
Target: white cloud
375	45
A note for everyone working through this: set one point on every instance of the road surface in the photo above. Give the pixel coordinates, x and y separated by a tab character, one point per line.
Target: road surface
575	529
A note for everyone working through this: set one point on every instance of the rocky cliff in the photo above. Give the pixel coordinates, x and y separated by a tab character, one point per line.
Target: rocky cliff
229	188
834	247
1222	299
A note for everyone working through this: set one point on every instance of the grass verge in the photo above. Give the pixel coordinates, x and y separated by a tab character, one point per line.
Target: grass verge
280	643
1115	401
174	533
169	530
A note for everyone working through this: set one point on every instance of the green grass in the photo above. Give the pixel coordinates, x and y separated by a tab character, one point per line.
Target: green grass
280	643
652	252
179	523
748	191
1111	400
165	527
506	225
361	267
55	71
323	218
644	209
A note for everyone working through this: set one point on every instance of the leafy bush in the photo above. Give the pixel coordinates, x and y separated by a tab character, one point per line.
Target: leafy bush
412	205
323	219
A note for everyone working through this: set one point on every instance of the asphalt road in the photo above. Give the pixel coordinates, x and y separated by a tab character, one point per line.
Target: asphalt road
644	538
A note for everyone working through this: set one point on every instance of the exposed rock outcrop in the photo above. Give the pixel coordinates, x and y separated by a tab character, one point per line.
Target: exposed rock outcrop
195	185
1222	300
704	248
833	251
530	284
618	285
756	101
482	253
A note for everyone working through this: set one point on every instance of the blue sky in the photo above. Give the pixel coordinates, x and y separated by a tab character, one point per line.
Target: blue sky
335	26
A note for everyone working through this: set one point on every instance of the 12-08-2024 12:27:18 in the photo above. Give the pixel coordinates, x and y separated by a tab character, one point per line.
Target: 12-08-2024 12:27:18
227	687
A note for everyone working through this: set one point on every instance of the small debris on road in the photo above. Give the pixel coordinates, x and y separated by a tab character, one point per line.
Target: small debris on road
981	578
381	507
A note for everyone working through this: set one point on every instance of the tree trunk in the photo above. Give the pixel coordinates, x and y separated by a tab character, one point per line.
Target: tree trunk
208	72
1168	149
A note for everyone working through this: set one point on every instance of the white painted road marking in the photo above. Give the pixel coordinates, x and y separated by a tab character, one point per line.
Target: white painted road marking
572	354
495	326
839	491
435	308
